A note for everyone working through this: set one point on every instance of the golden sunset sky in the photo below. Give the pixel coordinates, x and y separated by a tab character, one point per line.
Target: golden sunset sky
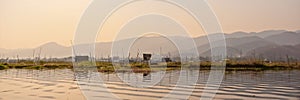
30	23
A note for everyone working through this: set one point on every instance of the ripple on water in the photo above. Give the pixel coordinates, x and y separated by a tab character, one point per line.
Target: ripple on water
235	86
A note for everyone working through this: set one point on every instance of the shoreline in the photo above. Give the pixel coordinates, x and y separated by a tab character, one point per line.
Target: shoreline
144	68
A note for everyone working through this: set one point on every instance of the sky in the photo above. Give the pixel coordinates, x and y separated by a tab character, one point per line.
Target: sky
30	23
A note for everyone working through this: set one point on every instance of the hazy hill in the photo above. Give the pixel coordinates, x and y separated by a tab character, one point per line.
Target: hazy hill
51	49
267	44
286	38
277	52
262	34
267	33
238	35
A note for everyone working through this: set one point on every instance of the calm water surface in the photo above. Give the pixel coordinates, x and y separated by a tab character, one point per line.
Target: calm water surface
238	85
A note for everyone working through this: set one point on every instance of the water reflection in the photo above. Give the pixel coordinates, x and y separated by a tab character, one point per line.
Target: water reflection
59	84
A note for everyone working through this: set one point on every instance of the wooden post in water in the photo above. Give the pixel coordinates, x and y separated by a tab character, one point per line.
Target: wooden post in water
288	60
18	58
296	62
170	77
33	59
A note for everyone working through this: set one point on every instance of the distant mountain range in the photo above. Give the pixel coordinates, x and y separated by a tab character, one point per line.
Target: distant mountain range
271	44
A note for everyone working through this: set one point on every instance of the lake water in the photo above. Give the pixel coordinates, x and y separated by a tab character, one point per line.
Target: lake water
238	85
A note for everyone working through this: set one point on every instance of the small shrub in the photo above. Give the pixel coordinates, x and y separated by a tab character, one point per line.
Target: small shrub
20	66
34	67
2	67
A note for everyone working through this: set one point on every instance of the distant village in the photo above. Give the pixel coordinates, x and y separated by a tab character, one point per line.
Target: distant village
153	58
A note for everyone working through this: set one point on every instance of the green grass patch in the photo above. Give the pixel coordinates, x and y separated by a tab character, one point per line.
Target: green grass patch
2	67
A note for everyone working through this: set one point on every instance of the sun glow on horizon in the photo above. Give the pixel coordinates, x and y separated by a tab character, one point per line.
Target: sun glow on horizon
31	23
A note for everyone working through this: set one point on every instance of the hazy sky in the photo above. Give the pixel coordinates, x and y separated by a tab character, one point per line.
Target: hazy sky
30	23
